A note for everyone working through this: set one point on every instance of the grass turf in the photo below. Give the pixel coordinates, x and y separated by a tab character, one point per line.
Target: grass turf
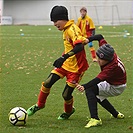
26	58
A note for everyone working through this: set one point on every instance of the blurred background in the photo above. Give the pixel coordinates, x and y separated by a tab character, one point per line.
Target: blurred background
36	12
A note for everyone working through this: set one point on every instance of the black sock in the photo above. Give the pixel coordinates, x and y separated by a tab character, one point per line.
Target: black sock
92	101
107	105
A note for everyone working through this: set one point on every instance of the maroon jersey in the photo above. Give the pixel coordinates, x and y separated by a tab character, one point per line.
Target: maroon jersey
114	72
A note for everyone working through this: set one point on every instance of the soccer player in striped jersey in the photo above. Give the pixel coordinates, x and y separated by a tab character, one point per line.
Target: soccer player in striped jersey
86	24
72	64
111	81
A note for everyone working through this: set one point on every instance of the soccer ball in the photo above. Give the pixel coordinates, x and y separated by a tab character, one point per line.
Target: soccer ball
18	116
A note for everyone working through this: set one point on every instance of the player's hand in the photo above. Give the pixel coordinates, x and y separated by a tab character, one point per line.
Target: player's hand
86	41
80	87
58	63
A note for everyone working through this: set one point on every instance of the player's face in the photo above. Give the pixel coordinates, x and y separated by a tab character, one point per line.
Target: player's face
102	62
83	13
59	24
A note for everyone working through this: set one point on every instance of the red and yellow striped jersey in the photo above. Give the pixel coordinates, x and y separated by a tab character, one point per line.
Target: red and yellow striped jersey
86	25
72	36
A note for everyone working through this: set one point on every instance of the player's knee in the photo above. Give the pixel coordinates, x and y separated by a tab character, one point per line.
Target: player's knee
67	93
52	78
66	96
92	90
47	84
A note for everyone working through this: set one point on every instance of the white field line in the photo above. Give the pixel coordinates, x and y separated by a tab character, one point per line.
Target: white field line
41	36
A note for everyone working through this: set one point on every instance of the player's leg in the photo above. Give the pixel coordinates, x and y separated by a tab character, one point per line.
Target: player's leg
106	90
68	103
44	92
93	51
92	101
72	78
107	105
92	104
45	89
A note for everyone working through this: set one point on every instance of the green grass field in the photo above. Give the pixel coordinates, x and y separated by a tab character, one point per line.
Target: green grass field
26	60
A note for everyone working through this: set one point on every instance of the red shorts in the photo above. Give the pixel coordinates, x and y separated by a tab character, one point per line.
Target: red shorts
71	78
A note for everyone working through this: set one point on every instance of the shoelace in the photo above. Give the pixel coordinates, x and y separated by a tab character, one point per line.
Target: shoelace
34	109
88	119
64	115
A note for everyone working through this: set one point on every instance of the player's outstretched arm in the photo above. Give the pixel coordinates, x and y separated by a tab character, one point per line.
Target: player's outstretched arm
97	37
58	63
91	83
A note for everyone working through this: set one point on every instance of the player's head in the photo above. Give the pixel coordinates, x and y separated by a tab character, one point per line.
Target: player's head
59	13
105	52
83	12
83	9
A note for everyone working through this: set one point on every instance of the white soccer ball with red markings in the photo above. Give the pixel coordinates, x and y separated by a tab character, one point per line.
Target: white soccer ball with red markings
18	116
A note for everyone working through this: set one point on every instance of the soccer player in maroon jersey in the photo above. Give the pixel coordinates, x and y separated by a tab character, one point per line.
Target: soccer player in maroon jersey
111	81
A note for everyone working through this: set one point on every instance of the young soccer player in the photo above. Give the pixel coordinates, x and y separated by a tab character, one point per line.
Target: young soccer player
111	81
72	64
86	24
